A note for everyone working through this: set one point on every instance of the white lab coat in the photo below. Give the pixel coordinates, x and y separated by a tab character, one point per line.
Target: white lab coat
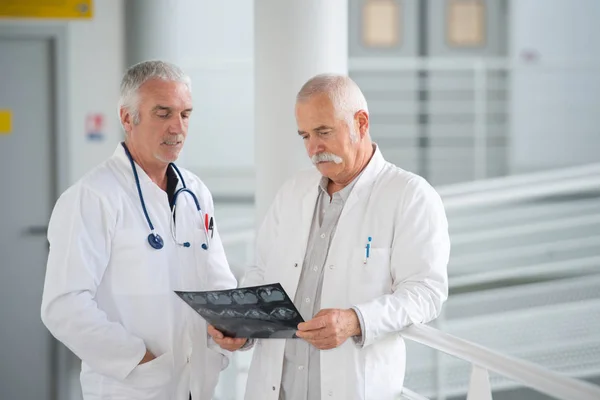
403	282
108	295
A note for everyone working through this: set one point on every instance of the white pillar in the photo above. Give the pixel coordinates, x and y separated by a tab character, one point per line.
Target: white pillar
152	33
293	41
151	28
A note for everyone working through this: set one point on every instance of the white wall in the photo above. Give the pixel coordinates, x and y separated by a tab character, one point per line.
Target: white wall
218	38
96	65
555	85
213	42
95	62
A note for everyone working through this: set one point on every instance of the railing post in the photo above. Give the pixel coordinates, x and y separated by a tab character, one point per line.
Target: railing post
480	120
439	362
479	385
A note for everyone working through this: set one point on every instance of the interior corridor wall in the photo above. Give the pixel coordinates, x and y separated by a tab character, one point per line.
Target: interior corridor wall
95	52
213	41
555	83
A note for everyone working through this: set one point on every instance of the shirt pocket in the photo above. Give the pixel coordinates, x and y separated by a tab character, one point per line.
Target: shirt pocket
369	277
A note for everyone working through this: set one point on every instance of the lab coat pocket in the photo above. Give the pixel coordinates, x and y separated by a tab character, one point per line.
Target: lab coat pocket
153	374
369	277
385	362
215	362
148	381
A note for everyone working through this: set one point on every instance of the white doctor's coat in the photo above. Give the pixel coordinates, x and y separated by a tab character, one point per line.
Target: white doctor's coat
108	295
403	282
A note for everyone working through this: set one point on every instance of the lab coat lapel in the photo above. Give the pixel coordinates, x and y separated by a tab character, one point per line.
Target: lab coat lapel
365	181
301	233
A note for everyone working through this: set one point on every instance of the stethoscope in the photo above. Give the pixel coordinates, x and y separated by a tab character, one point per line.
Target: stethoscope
154	239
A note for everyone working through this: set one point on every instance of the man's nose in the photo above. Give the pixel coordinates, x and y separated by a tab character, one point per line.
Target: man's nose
176	125
314	146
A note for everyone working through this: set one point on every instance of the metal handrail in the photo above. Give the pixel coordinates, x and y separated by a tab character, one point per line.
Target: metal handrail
523	372
527	192
512	181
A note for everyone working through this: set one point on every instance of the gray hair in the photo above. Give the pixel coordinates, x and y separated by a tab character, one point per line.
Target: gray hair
344	93
138	74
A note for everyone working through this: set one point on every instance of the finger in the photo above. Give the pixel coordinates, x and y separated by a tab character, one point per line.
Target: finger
233	341
315	334
229	341
234	345
214	333
315	323
325	344
322	344
225	343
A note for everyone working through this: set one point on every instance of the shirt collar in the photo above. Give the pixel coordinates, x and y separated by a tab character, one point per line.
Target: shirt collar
344	193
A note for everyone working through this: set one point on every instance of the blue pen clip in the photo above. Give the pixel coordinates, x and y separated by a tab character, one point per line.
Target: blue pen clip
367	250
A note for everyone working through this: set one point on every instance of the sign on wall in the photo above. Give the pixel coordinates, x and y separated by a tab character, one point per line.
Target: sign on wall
94	127
46	9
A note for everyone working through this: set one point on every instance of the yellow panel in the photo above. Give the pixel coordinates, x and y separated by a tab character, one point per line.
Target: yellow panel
466	23
381	23
46	9
5	122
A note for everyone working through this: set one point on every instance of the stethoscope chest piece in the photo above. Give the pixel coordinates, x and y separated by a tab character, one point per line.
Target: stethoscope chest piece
156	242
154	239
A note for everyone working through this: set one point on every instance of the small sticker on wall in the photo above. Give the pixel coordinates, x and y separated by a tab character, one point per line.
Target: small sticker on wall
94	127
5	122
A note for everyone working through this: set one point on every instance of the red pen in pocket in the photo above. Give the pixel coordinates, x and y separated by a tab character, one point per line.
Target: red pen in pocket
206	221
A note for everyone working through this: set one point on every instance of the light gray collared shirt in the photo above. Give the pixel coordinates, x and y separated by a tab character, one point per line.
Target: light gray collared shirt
301	379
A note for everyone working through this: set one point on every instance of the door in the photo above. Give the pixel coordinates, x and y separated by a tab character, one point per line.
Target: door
27	183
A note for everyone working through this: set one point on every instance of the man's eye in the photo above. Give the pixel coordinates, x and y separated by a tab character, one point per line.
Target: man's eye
163	115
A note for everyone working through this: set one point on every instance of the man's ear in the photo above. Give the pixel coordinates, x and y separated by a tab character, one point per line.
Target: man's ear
126	119
362	120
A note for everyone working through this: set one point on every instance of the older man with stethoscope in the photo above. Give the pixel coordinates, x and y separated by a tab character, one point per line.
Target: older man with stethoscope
122	239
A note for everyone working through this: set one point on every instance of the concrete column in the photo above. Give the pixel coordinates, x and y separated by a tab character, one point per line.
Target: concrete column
151	28
294	40
152	33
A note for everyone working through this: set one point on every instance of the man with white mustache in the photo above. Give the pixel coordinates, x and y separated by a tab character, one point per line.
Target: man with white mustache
361	246
123	239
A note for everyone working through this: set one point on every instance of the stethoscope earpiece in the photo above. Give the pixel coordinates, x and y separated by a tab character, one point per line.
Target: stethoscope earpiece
186	244
204	246
155	241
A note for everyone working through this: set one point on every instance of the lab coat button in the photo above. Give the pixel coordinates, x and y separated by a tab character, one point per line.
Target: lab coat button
273	387
322	236
301	367
296	265
332	267
330	393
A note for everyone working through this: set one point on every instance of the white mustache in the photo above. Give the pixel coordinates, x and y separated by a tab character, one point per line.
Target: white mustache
324	157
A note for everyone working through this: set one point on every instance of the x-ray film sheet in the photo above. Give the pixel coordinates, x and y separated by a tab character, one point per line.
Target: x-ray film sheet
264	311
